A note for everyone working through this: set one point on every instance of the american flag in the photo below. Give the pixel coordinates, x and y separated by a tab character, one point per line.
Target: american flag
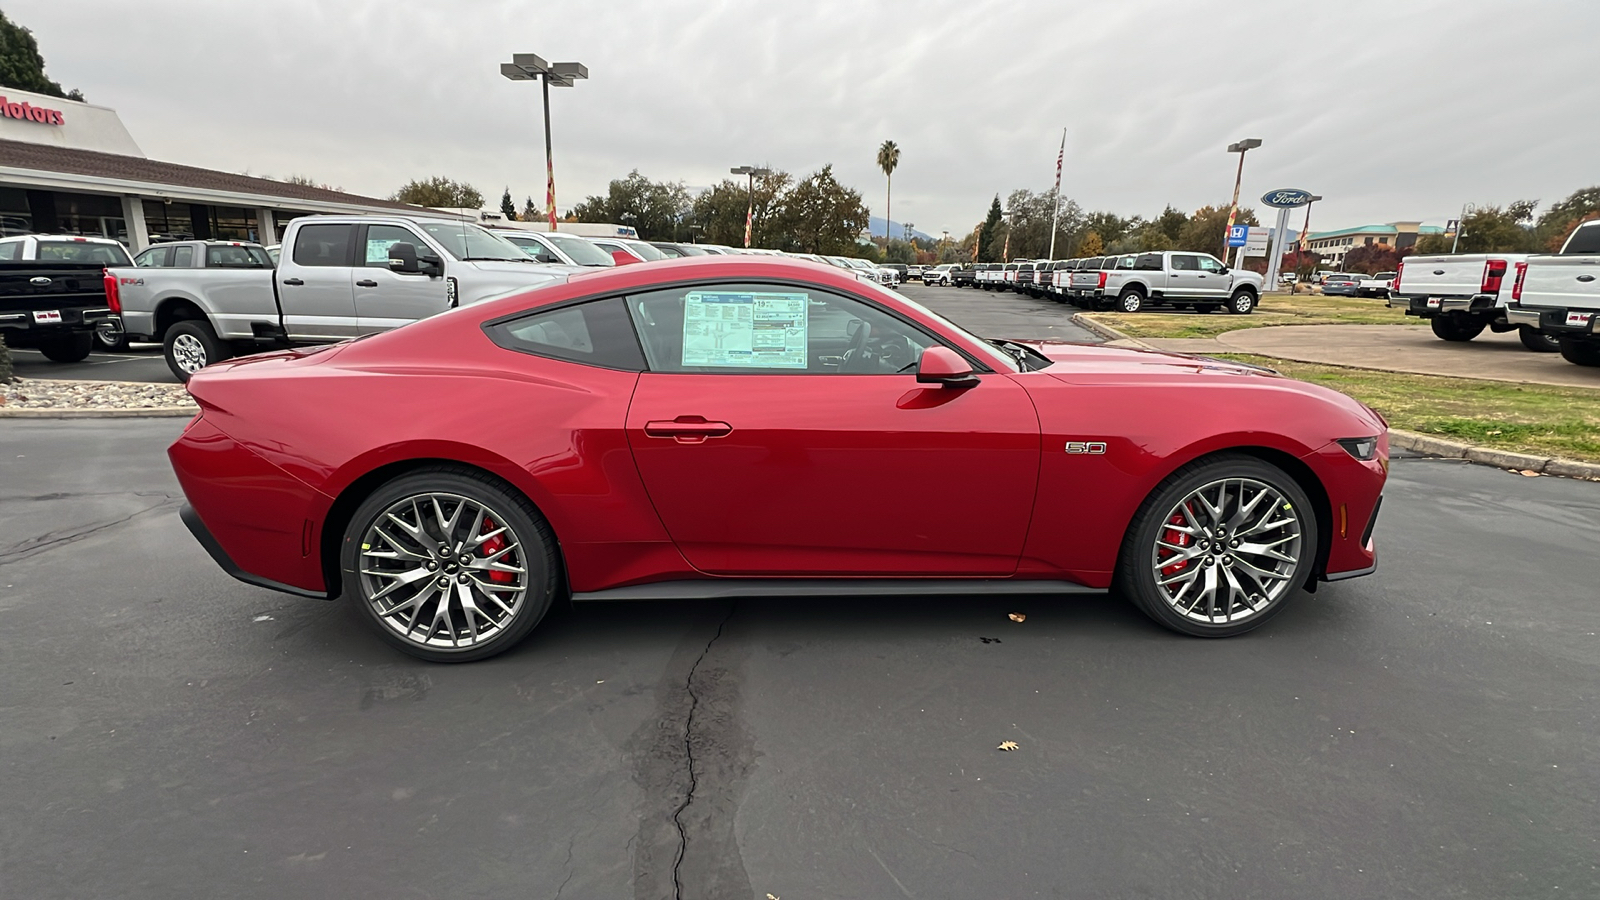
1059	157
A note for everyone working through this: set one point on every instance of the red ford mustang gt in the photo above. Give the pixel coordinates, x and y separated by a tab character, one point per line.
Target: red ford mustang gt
743	426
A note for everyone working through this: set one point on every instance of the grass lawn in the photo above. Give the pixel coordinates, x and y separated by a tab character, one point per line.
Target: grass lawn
1525	418
1275	309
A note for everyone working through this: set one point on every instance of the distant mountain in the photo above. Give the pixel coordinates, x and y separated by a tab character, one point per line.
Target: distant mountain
898	230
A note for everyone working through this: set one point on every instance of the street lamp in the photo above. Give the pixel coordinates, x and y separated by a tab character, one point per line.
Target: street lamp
1240	147
750	213
528	67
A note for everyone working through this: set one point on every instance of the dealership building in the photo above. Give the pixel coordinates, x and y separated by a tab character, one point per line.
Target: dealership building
73	168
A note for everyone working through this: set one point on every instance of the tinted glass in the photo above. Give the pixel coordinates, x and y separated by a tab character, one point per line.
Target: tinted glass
183	256
1585	240
771	329
535	250
11	250
324	245
1148	262
1183	262
83	251
645	250
154	258
596	334
231	257
669	251
580	250
464	241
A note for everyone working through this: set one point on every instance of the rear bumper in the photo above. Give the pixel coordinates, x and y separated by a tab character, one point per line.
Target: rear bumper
71	320
1426	307
1556	320
223	560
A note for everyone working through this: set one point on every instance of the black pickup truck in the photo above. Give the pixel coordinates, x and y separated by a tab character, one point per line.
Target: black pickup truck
54	307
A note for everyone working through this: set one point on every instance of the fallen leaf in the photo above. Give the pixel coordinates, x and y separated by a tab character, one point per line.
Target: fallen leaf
1007	746
1530	473
1017	617
1492	432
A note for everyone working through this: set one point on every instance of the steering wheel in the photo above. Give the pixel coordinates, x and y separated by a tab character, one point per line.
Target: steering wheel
855	358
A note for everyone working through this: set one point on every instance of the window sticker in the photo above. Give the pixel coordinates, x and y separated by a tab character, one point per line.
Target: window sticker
378	250
750	330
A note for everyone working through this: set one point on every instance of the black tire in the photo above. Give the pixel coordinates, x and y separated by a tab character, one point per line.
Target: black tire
110	341
1537	342
1130	301
1136	571
1452	327
1242	303
68	348
509	509
190	345
1580	353
1204	308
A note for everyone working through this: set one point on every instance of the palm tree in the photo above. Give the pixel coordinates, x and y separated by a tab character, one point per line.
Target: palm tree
888	159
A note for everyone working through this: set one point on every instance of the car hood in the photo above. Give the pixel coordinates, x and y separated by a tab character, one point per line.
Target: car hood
532	269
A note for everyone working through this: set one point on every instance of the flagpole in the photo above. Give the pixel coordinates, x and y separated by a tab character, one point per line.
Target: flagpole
1055	218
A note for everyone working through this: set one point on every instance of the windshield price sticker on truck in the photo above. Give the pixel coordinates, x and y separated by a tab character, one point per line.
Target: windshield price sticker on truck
47	316
748	330
1579	319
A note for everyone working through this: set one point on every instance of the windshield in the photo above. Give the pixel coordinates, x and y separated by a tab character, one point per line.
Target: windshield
582	252
84	251
644	250
465	241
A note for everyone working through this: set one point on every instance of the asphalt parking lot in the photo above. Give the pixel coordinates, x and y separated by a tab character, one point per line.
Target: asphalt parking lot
1429	731
142	363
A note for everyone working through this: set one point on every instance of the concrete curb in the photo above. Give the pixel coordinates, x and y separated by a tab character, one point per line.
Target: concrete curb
1429	445
80	413
1105	331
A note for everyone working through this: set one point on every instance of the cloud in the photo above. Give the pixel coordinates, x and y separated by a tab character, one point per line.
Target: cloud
1390	111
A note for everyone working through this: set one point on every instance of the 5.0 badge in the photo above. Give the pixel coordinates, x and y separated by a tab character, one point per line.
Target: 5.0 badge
1091	447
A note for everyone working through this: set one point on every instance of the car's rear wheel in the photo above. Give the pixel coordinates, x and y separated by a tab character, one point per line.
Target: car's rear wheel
1580	353
190	345
68	348
1219	547
448	565
1454	327
1205	307
1130	301
1533	340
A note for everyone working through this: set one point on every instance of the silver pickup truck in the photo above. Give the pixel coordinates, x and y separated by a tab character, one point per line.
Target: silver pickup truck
1559	295
1180	279
339	277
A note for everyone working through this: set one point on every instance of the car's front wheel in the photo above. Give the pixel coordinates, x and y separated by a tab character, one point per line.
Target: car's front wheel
448	565
1242	302
1219	547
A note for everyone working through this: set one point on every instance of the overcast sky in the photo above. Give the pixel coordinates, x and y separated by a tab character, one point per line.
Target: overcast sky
1390	110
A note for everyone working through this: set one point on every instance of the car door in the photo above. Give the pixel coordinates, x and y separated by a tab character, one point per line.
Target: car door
780	430
386	299
1184	279
314	288
1215	284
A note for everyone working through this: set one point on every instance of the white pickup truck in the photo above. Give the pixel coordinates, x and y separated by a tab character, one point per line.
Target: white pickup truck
339	277
1462	295
1560	296
1180	279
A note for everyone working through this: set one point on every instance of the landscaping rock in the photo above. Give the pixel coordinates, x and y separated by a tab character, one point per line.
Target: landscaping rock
1571	468
1522	462
41	395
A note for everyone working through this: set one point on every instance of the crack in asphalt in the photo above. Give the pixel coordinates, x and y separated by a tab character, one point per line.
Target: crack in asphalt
688	749
568	866
51	539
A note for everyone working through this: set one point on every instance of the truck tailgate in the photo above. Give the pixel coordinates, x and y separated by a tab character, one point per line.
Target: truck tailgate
1443	276
1562	281
67	288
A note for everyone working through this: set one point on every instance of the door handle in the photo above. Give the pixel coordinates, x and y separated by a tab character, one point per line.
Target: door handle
294	281
687	429
1585	278
366	282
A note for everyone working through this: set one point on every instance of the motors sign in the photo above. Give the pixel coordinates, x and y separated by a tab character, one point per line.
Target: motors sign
1286	198
30	113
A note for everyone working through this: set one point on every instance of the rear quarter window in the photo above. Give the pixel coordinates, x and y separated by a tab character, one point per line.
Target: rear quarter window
1585	240
597	333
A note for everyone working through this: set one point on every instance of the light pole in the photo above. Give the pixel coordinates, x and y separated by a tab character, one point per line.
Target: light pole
528	67
1300	248
750	213
1240	148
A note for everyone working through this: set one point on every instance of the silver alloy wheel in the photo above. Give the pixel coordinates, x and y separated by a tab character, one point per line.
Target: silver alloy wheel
1227	551
189	353
1243	302
1131	302
443	571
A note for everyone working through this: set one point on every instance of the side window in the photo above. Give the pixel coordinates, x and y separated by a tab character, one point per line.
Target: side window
1183	262
1148	262
537	250
154	258
771	329
597	333
183	256
379	239
231	257
1210	264
11	250
323	245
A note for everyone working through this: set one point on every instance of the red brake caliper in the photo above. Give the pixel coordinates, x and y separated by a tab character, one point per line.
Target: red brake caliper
490	548
1177	539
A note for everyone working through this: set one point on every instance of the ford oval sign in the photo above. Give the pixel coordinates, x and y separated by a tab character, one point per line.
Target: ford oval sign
1286	198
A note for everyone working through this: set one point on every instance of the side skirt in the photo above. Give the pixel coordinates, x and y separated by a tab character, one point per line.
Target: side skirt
716	588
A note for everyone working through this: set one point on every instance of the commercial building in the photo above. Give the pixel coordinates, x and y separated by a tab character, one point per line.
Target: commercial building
1333	245
73	168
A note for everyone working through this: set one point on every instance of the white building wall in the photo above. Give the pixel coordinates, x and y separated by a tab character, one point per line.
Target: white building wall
67	123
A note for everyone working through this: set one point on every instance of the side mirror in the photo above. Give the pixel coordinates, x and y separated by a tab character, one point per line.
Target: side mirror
1222	271
622	258
403	258
943	366
431	265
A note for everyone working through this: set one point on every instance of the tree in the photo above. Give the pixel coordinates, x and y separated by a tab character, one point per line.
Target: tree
823	216
1091	245
508	207
1171	222
439	192
1373	258
1491	229
21	66
656	209
720	212
990	232
888	160
529	211
1561	218
1152	236
1433	244
1206	228
900	252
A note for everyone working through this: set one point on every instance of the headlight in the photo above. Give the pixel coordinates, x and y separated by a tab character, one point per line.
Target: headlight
1361	448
